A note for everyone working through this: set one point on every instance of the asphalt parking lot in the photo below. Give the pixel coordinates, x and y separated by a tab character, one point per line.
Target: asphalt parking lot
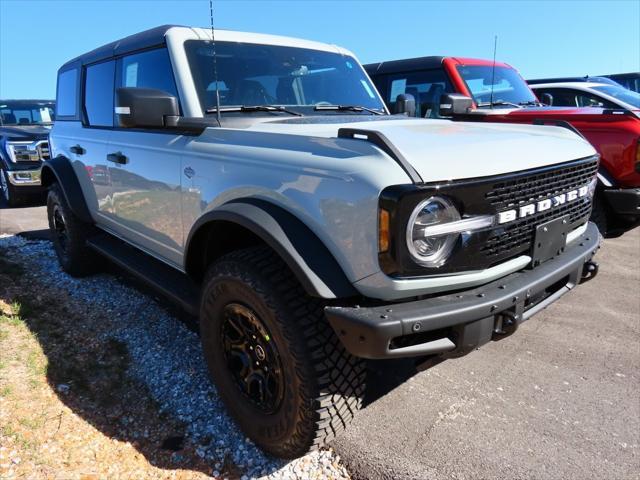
558	399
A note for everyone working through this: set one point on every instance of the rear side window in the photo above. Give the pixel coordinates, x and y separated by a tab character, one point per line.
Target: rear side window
98	94
426	86
151	69
67	94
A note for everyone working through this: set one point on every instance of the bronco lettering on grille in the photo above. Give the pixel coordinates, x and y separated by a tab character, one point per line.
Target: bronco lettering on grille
546	204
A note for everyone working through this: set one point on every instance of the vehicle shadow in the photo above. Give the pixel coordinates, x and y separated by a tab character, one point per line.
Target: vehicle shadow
93	370
93	373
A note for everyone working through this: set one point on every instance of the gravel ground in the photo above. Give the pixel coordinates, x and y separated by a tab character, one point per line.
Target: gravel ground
166	357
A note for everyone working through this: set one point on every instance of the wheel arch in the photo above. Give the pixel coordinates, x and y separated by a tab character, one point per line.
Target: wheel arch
59	170
248	222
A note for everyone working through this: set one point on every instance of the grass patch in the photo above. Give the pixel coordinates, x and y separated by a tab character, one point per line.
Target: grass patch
6	391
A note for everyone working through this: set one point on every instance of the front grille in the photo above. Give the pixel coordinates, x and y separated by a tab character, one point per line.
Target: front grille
517	237
527	189
489	196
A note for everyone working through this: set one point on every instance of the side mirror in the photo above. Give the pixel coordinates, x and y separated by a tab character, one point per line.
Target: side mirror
406	103
454	104
145	108
547	99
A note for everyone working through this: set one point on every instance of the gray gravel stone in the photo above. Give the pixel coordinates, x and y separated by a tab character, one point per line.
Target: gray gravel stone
167	357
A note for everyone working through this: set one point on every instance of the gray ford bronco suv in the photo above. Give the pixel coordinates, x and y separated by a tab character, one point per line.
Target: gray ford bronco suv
260	183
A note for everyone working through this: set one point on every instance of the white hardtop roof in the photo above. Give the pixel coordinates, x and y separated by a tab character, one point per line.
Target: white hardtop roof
263	39
578	85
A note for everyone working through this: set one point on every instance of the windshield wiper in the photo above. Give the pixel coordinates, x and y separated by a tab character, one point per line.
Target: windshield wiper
531	102
255	108
352	108
498	102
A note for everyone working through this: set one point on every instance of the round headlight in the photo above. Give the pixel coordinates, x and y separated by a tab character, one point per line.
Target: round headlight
434	250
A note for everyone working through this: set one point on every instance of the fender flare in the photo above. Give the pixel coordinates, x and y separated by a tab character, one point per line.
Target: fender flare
60	170
308	258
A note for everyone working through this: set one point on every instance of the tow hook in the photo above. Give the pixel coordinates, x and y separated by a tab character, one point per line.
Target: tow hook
589	271
505	324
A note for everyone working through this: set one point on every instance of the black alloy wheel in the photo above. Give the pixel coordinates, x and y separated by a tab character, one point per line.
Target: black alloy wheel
252	358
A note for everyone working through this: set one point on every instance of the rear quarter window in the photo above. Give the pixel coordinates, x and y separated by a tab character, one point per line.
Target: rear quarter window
67	95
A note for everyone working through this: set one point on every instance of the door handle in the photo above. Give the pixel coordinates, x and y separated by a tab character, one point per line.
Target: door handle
78	150
117	157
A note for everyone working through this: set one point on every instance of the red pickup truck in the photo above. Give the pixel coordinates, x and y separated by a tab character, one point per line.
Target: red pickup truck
478	90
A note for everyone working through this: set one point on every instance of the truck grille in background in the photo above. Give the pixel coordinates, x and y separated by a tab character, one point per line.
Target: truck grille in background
43	150
517	237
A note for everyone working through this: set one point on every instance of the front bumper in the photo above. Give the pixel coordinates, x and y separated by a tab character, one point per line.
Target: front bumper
624	201
459	322
25	178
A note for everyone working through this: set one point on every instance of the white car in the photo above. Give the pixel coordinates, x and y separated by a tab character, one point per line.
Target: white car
587	94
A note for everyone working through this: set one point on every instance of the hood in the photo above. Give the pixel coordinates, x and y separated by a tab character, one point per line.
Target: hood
25	132
442	150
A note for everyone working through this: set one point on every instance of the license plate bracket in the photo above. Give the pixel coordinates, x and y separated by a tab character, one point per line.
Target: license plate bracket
550	240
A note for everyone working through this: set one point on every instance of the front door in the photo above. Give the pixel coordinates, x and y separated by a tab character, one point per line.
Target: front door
145	166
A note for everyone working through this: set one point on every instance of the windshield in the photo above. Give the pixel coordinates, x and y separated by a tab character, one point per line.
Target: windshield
296	78
26	113
622	94
508	86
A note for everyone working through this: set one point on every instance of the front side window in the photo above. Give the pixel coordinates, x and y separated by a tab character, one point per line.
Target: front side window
502	85
253	74
26	113
151	69
426	87
66	97
98	94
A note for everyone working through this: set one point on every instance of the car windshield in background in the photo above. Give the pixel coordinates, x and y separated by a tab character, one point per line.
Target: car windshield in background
299	79
23	113
622	94
509	88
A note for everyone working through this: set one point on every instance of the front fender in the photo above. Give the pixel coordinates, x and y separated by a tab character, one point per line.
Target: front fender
60	170
308	258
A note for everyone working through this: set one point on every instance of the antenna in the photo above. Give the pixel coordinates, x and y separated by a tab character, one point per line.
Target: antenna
215	64
493	68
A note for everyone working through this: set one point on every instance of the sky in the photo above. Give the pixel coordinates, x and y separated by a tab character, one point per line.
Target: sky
540	38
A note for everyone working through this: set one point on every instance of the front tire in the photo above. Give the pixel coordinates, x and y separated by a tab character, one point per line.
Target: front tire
69	236
277	364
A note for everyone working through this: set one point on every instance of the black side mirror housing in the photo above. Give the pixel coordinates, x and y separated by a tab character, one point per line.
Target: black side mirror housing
406	103
145	108
452	104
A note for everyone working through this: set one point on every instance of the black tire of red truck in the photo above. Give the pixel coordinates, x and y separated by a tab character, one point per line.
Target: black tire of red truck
277	364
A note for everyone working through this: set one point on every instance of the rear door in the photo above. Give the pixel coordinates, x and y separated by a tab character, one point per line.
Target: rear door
146	166
97	105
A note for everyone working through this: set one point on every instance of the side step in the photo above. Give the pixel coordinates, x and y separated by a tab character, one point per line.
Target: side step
168	281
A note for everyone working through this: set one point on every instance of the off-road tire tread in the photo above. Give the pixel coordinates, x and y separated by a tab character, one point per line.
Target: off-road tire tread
333	379
82	260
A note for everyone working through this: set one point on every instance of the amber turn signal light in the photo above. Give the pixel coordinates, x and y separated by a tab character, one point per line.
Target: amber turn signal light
383	230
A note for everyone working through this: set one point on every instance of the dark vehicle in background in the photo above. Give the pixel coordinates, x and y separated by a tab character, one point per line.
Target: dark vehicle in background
24	145
479	90
630	81
586	78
